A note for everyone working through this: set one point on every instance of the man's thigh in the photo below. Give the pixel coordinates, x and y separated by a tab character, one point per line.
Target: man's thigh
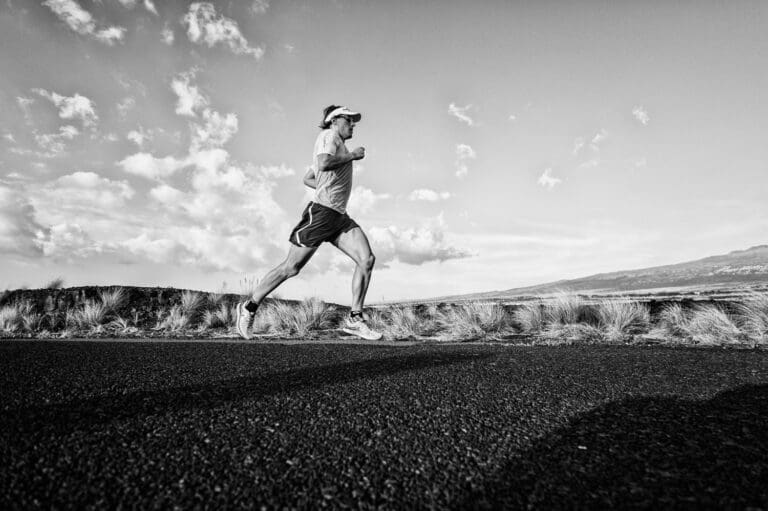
355	244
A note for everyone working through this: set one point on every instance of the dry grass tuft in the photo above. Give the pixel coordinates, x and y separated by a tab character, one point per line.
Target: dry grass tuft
112	299
752	316
91	316
472	320
174	321
10	318
221	317
620	320
530	317
709	324
302	319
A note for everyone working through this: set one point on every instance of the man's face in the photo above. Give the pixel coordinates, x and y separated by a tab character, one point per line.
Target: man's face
346	127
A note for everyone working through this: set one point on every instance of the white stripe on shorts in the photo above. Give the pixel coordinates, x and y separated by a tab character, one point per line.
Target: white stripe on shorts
310	223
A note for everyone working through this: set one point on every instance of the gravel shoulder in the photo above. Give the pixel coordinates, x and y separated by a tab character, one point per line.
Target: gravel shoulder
228	424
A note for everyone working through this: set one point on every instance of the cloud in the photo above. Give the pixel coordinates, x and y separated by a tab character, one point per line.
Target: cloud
362	200
578	143
90	188
18	227
428	195
594	162
641	115
461	113
598	139
148	5
204	26
148	166
414	246
216	131
276	171
72	107
9	137
81	21
463	153
259	6
167	35
139	136
24	104
125	105
642	162
547	181
67	242
54	143
512	117
189	97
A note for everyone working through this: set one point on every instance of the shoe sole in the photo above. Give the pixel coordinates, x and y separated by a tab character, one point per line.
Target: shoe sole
244	335
353	332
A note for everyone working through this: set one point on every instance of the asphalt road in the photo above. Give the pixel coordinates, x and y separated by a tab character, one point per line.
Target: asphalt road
224	425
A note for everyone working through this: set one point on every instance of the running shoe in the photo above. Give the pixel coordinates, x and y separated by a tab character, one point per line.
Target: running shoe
359	328
244	320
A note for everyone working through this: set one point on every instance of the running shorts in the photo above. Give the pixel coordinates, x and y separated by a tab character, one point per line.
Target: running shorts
318	224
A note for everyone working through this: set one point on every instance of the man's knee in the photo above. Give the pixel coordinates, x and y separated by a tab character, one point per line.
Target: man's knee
290	269
369	261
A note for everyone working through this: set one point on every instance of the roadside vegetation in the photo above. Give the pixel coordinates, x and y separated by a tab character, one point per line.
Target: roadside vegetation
55	312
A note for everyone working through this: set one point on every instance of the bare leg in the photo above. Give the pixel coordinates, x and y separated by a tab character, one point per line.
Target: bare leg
355	244
295	260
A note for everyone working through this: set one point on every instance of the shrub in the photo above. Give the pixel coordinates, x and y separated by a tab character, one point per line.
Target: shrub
401	322
190	304
301	319
122	326
564	309
559	333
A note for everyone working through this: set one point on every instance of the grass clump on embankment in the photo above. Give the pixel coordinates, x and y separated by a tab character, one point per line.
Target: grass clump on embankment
561	319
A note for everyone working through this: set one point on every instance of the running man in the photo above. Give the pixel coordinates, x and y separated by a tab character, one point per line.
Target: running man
325	219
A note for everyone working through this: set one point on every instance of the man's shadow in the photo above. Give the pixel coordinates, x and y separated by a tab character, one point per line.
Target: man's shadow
81	414
649	452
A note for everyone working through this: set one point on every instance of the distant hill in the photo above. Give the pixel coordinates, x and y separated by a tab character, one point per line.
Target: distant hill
738	268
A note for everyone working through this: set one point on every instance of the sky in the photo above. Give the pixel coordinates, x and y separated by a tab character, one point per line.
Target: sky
163	143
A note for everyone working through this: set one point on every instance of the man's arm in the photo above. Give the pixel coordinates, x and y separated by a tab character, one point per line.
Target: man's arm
309	178
327	162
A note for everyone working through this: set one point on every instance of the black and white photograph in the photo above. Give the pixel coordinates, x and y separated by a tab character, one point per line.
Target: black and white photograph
370	254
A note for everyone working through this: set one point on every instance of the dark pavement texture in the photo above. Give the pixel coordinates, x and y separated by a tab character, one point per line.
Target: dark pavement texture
110	424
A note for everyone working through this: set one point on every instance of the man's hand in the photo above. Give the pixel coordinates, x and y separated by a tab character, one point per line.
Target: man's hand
358	153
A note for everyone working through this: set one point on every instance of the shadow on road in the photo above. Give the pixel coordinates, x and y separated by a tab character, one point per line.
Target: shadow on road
644	452
80	414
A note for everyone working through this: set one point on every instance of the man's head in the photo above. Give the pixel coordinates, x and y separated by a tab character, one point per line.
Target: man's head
341	118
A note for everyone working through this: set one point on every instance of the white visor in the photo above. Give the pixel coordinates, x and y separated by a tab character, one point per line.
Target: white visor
342	110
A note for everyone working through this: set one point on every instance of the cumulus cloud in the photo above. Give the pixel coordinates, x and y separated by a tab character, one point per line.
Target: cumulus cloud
547	181
167	35
578	144
54	143
72	107
463	153
81	21
148	5
148	166
641	115
594	162
461	113
598	139
204	26
414	245
362	200
18	227
125	105
215	131
90	188
275	171
189	97
428	195
67	242
139	136
259	6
